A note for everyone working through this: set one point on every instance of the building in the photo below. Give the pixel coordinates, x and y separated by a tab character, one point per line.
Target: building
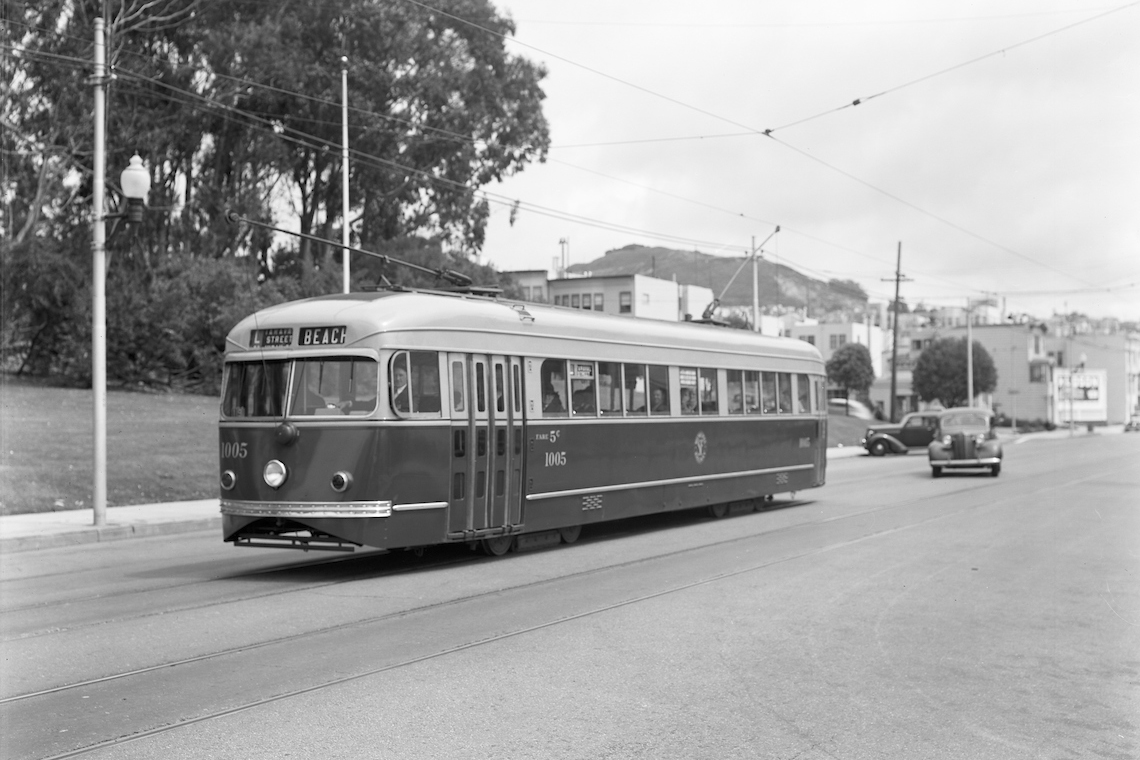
829	336
635	295
1118	355
532	283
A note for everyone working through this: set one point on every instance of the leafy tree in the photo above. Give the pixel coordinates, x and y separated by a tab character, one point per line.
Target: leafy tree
850	368
940	372
239	109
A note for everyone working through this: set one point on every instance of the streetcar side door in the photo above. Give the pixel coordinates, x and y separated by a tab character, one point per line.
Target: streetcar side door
486	438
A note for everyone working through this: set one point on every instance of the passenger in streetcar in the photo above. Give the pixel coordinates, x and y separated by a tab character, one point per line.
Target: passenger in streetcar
399	389
551	403
660	401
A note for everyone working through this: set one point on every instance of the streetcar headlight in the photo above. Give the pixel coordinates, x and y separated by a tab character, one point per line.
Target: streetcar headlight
341	481
229	480
275	473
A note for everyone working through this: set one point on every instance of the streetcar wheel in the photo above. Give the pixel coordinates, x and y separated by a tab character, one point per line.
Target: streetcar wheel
570	535
995	471
936	472
718	511
497	546
878	448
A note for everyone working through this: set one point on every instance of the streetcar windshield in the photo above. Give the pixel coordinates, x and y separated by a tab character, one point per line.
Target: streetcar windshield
255	389
334	386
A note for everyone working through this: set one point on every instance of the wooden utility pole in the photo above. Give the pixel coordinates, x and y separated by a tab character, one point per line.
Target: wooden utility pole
895	339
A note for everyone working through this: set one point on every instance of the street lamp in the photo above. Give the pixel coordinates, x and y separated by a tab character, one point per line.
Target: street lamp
136	183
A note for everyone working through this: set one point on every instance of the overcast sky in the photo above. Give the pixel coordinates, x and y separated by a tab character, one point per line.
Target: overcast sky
1017	174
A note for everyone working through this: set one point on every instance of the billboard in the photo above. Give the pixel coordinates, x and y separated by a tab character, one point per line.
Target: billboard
1080	395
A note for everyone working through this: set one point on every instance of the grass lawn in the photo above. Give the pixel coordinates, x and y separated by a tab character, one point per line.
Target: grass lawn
160	447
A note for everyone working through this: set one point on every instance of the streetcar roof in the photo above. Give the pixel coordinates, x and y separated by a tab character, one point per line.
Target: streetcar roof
389	318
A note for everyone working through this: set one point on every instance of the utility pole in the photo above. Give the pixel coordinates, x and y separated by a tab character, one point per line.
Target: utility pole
755	290
895	338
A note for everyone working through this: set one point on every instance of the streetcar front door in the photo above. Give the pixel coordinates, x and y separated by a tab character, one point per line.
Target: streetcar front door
486	442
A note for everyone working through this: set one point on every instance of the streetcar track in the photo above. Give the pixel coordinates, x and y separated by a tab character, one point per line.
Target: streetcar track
556	621
523	630
517	587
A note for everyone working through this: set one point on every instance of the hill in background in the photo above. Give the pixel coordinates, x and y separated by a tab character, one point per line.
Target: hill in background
778	285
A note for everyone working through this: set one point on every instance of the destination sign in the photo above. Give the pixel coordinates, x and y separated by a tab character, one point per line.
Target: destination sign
270	337
322	336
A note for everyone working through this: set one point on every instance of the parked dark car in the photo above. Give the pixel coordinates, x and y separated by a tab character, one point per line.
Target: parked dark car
967	441
915	431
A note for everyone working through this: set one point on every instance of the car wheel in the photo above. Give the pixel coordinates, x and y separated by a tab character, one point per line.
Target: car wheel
995	470
936	472
878	448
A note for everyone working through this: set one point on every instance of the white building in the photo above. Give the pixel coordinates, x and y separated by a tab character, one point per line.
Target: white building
829	336
635	295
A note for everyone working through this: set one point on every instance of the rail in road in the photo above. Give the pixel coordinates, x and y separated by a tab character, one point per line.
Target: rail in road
175	643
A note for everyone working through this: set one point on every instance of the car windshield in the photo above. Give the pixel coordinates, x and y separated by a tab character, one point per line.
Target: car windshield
965	421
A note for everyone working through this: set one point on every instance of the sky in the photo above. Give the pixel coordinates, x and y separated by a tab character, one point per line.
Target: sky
996	143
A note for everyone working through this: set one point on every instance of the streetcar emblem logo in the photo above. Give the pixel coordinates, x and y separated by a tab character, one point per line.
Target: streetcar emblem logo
700	447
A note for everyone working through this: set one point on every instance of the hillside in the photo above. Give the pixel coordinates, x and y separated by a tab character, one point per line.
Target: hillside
778	284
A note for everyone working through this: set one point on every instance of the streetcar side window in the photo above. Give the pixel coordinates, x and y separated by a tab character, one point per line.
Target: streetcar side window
785	393
803	394
413	382
609	388
499	391
658	389
583	393
708	391
458	386
633	388
689	397
751	392
480	387
554	399
768	392
735	386
255	389
516	375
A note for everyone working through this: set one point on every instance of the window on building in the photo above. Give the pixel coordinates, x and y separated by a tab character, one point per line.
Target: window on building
835	341
575	301
599	301
625	302
1038	373
808	339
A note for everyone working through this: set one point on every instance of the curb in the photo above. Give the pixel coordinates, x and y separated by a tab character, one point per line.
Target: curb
93	535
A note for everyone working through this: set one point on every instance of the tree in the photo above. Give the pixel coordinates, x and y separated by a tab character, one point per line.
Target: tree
940	372
850	368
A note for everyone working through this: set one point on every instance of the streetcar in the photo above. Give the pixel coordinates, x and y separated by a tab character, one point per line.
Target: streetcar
403	419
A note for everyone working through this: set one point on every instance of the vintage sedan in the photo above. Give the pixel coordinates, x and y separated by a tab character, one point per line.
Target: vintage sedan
914	431
967	441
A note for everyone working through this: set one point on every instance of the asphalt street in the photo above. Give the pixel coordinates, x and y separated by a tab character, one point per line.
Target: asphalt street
886	615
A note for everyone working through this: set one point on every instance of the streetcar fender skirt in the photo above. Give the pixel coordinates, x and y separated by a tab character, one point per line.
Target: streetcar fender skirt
417	525
584	506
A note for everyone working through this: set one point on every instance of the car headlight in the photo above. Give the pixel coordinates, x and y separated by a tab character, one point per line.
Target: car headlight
979	439
947	440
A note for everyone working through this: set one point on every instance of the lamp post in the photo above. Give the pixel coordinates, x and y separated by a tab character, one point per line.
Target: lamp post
136	184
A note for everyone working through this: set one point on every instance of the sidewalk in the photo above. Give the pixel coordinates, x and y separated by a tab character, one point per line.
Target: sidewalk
45	530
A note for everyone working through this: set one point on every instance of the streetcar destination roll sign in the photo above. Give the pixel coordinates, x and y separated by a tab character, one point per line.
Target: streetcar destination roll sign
322	336
271	336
